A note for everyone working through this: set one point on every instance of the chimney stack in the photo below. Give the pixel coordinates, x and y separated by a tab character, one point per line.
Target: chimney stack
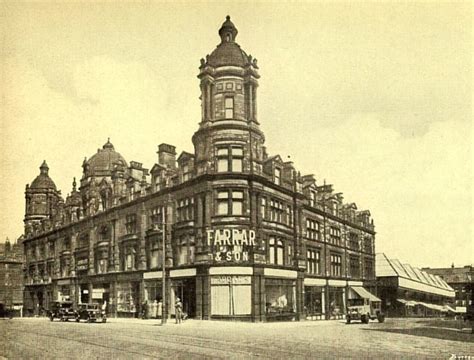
167	156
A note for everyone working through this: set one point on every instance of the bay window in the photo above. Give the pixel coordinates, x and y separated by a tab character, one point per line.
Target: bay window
230	202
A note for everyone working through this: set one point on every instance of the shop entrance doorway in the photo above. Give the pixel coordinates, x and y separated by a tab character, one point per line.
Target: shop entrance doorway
185	289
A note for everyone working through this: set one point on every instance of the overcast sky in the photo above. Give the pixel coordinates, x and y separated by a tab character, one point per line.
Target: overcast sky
373	98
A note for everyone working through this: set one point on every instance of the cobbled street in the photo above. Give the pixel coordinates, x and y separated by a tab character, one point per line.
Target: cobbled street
36	338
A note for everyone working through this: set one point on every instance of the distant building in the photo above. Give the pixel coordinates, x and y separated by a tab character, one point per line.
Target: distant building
247	236
459	278
408	291
11	278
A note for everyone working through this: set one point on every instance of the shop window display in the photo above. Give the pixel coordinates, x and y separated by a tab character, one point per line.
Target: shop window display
336	303
231	295
313	301
127	296
280	296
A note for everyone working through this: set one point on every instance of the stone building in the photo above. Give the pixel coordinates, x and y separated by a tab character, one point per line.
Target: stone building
245	235
461	280
11	278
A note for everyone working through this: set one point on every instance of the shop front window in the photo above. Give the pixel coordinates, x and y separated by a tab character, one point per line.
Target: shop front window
231	295
127	297
336	303
280	296
313	300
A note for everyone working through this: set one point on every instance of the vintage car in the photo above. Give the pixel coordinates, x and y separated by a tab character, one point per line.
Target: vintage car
90	313
364	310
62	310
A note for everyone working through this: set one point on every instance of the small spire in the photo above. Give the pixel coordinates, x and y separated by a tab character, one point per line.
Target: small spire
108	145
44	168
74	185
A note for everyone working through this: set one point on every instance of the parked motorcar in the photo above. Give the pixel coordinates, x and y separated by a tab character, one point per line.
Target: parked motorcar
62	310
90	313
364	310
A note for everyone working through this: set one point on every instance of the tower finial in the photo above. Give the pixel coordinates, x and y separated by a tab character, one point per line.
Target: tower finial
228	31
44	168
74	184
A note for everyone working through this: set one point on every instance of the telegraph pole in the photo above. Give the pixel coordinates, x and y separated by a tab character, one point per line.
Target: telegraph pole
163	267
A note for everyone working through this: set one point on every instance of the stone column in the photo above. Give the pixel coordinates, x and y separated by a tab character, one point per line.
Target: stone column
142	234
254	102
208	101
92	243
250	102
73	258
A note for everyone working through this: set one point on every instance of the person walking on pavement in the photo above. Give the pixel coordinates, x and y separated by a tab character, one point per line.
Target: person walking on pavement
178	307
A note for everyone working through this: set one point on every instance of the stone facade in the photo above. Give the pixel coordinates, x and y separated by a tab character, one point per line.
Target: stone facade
205	207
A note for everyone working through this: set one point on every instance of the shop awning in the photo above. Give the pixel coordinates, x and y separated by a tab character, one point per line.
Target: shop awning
359	290
449	308
461	309
407	302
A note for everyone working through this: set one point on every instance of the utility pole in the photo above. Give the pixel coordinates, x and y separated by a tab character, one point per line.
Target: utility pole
163	267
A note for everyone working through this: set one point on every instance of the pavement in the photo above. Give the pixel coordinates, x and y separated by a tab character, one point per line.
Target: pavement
39	338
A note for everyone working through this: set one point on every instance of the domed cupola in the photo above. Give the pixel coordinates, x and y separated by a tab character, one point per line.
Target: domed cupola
42	200
103	162
228	52
229	81
43	181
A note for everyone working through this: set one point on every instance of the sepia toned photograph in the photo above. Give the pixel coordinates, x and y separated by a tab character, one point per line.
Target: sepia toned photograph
236	180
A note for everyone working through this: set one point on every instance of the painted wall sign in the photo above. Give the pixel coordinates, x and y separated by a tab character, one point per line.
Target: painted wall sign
231	244
234	280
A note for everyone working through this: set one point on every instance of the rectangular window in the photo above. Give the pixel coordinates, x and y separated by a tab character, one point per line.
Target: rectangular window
230	159
280	297
131	224
156	217
313	261
263	207
312	199
229	108
186	172
185	209
336	265
354	265
368	245
277	176
313	230
275	251
353	241
335	236
369	269
289	215
230	202
276	211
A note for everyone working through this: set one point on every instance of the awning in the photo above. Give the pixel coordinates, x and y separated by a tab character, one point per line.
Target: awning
359	290
449	308
407	302
461	309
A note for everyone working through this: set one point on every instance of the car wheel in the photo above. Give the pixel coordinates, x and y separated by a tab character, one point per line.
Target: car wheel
51	318
363	319
348	319
104	320
381	318
77	319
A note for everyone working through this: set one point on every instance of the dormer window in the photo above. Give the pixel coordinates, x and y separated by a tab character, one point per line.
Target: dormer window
229	107
312	198
277	176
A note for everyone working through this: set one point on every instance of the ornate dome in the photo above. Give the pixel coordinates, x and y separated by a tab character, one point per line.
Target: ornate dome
102	163
228	52
43	181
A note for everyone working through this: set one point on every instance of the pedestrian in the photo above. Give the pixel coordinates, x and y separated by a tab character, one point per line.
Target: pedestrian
178	307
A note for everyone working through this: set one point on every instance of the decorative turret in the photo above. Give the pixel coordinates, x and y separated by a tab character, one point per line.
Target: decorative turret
42	200
229	81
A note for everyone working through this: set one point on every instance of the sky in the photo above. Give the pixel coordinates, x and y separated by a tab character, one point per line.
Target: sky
372	97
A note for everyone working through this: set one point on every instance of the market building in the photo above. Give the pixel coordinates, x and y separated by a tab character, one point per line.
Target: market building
460	279
11	278
242	234
408	291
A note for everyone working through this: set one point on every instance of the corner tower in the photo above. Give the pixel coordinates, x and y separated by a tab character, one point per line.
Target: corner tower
229	128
